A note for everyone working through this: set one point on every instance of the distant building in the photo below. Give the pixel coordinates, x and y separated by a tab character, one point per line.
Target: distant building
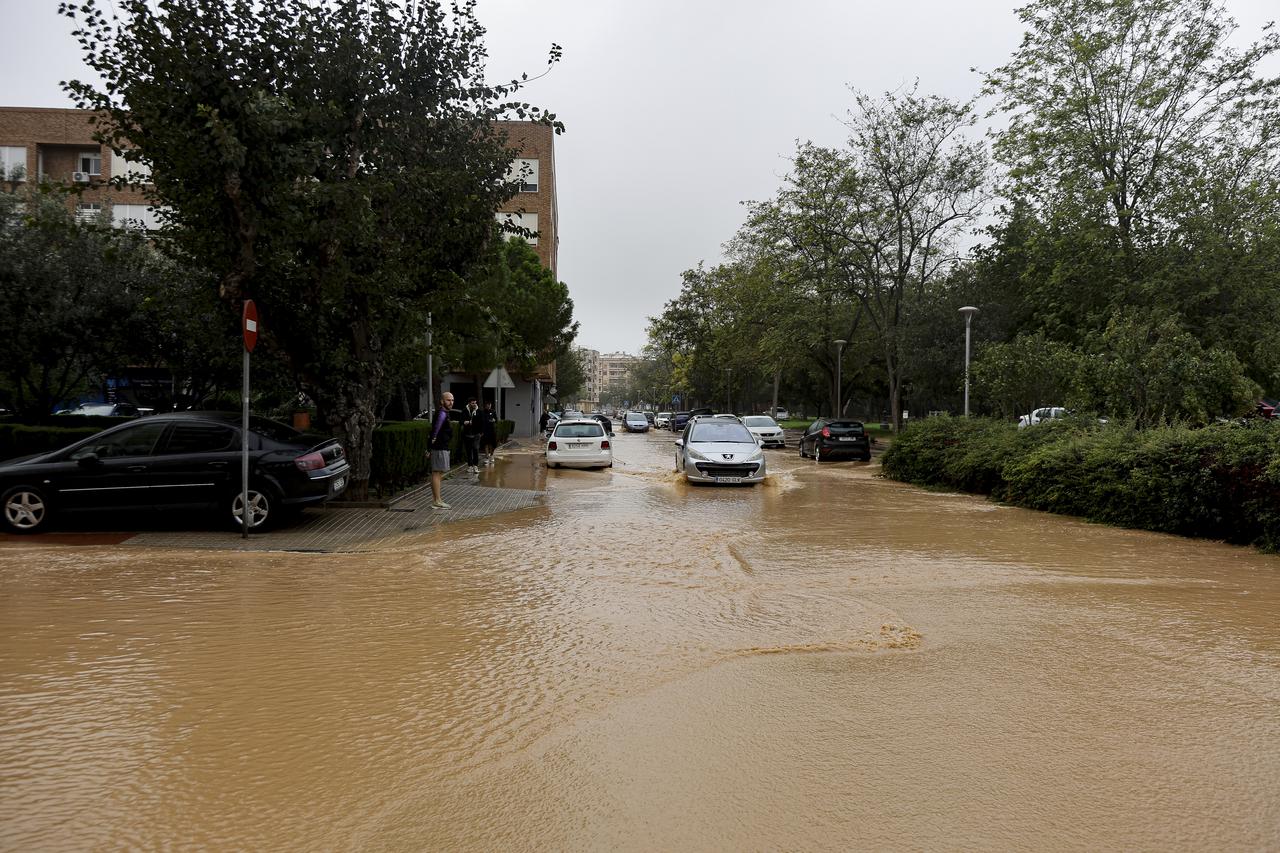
589	396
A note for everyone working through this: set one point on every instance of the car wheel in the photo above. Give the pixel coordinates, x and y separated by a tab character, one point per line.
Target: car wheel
25	509
263	508
817	452
551	465
866	457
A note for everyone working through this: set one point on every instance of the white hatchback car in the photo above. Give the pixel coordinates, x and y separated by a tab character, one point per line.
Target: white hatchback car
579	443
1047	413
766	429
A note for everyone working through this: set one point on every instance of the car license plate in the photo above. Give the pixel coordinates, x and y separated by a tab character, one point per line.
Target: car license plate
848	438
577	444
728	479
339	484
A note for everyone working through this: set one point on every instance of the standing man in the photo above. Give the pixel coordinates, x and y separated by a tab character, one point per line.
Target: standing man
542	421
472	432
441	435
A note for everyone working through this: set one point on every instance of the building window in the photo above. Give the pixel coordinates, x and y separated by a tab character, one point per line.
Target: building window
88	211
134	171
13	163
140	216
90	162
527	221
524	172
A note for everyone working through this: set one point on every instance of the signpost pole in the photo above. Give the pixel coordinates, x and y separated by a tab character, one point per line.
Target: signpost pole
249	327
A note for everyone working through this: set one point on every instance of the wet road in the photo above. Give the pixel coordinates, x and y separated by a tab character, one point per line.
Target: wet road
825	662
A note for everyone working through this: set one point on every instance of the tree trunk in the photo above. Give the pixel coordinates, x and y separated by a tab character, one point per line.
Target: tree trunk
351	414
777	378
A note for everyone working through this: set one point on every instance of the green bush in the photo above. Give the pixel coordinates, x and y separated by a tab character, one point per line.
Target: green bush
22	440
399	454
1218	482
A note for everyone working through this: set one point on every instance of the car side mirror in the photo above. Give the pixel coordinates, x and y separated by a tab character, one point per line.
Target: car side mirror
679	442
88	460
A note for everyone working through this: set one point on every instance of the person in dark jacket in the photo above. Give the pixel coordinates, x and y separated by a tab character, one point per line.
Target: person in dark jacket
489	436
441	436
472	433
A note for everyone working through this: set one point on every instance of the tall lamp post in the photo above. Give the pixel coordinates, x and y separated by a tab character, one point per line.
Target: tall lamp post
728	398
839	365
968	311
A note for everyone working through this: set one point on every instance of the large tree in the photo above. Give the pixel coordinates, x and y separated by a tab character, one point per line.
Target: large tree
337	162
878	220
71	299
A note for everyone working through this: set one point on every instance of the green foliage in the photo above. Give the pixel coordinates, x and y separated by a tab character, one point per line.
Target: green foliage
339	163
69	301
1218	482
400	454
24	440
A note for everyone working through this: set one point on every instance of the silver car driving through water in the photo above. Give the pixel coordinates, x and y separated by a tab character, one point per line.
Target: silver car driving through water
718	450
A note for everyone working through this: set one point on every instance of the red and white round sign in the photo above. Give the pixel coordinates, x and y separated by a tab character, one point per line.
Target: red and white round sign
250	325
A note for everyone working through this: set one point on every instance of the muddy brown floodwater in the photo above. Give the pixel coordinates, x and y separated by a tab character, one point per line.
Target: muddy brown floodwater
827	662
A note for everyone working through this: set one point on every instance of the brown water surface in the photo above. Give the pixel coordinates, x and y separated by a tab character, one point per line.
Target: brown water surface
828	661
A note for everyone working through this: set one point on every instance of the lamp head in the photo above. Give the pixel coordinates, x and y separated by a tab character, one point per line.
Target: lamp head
968	311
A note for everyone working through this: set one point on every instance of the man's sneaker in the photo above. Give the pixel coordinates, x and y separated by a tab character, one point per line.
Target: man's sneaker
471	469
440	505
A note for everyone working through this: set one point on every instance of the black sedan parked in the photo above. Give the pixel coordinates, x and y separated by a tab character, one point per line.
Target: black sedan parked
188	460
828	439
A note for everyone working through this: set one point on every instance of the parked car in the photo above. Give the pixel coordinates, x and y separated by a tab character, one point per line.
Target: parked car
678	421
828	438
603	420
635	422
780	414
662	420
719	451
651	418
726	415
108	410
181	460
579	443
766	429
1043	414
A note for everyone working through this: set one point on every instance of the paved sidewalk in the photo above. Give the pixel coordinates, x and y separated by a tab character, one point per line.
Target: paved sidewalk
331	529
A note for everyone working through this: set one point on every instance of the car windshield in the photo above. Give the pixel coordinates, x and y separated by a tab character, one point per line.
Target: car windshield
579	431
759	421
637	419
273	430
850	426
728	431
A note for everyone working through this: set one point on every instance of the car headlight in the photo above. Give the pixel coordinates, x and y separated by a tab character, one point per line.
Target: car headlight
693	454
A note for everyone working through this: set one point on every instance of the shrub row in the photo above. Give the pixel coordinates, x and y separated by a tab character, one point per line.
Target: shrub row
1217	482
400	454
23	440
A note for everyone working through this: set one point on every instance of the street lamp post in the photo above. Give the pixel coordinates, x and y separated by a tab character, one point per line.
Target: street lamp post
728	398
839	364
968	311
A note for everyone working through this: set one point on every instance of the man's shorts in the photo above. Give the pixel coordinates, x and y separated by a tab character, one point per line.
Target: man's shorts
440	461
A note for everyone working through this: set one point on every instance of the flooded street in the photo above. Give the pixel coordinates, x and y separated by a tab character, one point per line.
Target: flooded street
828	661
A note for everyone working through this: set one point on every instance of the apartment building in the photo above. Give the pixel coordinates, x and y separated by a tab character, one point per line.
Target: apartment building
39	144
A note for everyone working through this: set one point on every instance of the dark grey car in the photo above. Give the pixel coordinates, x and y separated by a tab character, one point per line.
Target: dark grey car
189	460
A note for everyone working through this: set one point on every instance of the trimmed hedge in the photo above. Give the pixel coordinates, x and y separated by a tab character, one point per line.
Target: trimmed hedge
23	440
400	455
1217	482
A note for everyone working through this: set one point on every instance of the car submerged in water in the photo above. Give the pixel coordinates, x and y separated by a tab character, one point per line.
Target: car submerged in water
718	450
177	461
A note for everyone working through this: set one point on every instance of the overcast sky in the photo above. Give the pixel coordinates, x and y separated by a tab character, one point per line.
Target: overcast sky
676	111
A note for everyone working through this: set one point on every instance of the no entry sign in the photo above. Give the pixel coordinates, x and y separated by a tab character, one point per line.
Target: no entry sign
250	325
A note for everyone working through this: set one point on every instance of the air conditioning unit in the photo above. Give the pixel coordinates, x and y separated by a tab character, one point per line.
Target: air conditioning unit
80	177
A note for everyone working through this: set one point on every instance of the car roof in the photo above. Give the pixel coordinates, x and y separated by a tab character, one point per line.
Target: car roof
571	421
